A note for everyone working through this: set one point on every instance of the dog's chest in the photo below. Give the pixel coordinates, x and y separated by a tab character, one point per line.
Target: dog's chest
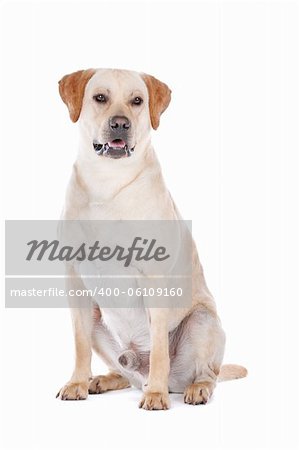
129	327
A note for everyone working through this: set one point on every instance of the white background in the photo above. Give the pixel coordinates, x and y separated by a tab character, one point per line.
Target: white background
228	145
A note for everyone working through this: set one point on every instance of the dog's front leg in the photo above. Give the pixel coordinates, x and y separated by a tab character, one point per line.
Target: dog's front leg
156	389
82	318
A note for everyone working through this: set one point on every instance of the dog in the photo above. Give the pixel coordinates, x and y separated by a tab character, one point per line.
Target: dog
117	176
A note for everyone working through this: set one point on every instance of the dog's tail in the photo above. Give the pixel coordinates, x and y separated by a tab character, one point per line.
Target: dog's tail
131	361
231	372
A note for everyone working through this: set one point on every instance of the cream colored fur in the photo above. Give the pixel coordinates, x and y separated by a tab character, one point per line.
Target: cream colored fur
180	350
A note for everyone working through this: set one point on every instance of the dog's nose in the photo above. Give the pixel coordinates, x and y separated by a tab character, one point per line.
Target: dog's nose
119	122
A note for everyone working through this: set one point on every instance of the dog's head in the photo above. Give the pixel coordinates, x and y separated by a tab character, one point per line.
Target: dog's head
116	107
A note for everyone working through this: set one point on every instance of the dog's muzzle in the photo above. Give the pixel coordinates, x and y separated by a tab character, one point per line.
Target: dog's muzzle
115	149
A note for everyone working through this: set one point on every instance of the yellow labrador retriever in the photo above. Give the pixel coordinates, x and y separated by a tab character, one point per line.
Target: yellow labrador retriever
117	176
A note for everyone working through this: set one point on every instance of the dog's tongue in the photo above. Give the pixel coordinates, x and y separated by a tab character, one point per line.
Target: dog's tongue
117	143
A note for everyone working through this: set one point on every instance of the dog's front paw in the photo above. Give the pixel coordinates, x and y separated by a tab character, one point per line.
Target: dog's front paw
198	393
155	401
73	391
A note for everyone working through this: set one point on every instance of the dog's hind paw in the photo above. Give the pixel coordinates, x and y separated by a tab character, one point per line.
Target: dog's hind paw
110	382
198	393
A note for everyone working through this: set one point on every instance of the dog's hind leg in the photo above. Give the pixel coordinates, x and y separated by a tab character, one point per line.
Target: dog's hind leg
109	350
197	347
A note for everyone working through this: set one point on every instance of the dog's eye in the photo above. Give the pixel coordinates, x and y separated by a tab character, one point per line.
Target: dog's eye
137	101
100	98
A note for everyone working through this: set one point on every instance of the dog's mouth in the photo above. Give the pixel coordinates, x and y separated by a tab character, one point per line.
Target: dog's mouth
115	149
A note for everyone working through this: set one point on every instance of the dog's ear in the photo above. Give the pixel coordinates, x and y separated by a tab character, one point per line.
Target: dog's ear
71	89
159	98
